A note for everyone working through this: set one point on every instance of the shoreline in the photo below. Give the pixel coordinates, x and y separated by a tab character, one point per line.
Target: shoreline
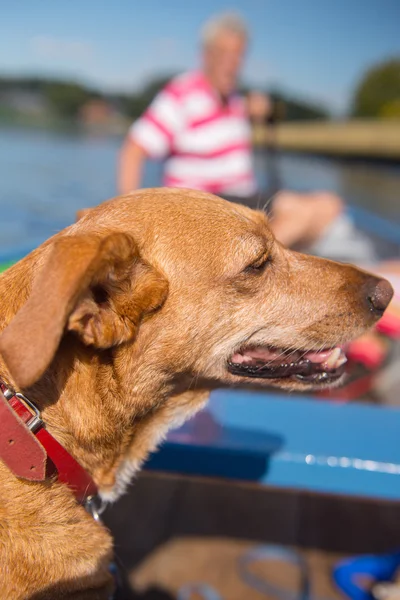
349	140
356	139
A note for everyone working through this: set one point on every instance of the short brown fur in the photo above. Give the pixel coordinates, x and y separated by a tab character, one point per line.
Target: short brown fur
118	328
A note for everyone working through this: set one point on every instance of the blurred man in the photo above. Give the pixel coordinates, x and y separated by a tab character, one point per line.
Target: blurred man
199	125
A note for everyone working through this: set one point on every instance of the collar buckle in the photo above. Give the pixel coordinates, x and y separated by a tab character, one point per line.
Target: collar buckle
39	455
36	421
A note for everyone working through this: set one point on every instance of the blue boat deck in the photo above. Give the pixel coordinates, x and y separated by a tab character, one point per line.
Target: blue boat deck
290	442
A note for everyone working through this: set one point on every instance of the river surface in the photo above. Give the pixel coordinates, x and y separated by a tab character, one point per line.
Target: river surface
45	176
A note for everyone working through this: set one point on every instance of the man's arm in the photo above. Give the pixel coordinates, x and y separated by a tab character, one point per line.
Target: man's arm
151	136
130	166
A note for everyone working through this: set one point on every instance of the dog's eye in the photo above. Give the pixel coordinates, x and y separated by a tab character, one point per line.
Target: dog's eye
259	265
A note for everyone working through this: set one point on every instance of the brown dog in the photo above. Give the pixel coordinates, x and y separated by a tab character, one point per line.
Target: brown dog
118	328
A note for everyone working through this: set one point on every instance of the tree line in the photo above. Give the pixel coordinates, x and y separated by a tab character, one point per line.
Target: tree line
65	99
376	96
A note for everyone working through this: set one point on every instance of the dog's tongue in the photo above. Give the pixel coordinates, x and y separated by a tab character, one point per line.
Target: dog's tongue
332	358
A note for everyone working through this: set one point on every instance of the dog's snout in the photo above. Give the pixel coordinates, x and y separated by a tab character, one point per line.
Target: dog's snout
379	293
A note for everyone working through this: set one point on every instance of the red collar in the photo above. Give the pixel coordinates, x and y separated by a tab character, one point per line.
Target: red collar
32	453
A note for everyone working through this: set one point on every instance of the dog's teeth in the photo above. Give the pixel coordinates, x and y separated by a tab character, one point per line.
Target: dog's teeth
336	359
333	357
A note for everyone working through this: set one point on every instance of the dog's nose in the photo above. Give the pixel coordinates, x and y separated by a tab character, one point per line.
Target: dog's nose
379	294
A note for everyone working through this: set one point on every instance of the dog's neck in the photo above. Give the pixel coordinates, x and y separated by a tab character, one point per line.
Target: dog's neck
110	419
102	406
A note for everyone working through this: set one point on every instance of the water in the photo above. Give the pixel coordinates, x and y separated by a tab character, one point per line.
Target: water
46	176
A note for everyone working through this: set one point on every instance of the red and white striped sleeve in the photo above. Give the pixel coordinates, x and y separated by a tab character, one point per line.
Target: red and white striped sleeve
156	129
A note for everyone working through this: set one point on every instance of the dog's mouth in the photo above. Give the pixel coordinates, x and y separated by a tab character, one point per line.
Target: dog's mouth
312	368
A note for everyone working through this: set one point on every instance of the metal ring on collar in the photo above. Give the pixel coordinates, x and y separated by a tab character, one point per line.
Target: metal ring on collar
95	506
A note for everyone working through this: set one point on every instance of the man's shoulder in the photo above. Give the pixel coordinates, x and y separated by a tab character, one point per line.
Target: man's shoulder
184	84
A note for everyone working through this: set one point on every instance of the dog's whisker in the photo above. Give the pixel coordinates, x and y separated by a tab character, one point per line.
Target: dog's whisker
268	203
276	358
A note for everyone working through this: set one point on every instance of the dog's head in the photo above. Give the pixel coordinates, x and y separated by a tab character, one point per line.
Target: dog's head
202	286
151	300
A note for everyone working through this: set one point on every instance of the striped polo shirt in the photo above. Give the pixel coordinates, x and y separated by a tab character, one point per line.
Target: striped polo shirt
205	143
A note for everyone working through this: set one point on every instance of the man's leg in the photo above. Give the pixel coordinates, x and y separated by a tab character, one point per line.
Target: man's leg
300	220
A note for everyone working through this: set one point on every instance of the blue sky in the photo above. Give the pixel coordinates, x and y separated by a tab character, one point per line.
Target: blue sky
316	49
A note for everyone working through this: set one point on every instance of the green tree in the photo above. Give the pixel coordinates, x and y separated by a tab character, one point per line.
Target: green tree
133	105
288	108
378	93
66	98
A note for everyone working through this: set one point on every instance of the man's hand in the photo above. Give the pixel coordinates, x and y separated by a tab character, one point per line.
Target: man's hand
259	107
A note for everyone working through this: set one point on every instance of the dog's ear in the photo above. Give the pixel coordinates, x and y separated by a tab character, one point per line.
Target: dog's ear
97	287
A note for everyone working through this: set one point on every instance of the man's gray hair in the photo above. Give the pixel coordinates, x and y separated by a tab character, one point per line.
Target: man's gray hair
230	22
